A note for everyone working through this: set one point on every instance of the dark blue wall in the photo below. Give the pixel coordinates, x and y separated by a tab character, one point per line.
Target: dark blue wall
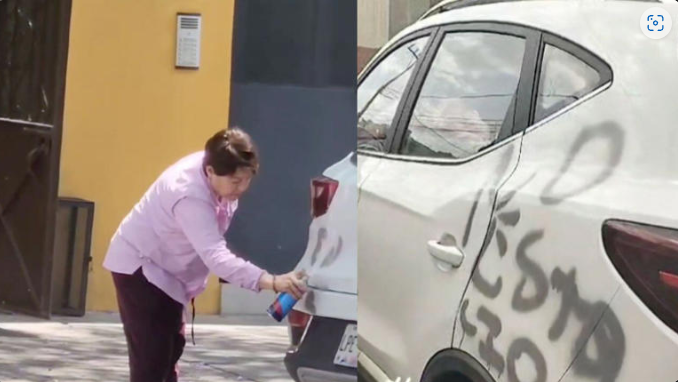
293	90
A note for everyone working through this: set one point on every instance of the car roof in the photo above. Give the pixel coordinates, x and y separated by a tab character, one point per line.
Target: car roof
603	27
608	29
448	5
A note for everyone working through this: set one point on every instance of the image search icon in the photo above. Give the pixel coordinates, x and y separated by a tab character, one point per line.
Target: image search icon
656	23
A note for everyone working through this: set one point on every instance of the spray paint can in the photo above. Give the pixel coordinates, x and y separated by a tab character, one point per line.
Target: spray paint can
282	305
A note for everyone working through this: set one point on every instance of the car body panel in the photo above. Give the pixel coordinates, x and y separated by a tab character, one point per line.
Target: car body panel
330	261
560	309
404	295
609	157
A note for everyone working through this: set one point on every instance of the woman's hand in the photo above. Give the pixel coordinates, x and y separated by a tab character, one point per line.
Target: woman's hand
293	283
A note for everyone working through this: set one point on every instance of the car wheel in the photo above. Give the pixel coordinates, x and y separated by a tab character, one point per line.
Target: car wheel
455	366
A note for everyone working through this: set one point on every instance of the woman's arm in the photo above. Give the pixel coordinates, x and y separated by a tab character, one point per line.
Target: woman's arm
199	223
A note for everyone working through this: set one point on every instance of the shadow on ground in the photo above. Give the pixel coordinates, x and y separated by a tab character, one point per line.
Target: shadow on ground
77	350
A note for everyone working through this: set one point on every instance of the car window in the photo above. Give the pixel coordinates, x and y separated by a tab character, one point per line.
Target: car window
467	96
563	80
380	92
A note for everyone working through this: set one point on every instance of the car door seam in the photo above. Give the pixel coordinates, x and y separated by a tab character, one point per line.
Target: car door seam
367	177
593	330
487	232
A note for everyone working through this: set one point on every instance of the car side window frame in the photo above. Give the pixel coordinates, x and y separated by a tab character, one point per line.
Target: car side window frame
524	97
428	32
579	52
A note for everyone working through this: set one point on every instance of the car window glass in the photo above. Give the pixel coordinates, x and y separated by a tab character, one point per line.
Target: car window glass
563	80
380	93
468	95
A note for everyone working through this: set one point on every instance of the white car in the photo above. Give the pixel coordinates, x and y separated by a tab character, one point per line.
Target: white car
323	327
518	197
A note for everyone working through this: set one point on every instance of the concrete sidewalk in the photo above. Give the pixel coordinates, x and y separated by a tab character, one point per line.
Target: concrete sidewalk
93	349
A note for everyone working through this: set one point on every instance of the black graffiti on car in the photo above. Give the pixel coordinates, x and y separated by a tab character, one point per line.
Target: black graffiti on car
508	219
607	131
533	271
601	327
472	214
608	335
487	288
601	330
486	348
491	186
322	235
525	346
309	301
333	253
467	327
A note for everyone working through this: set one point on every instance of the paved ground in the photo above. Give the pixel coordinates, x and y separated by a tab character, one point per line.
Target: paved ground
93	349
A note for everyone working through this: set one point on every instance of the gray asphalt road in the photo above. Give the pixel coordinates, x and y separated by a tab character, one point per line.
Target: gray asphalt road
93	349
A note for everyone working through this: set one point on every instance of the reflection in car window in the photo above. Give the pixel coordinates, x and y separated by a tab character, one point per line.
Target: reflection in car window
381	91
564	79
468	94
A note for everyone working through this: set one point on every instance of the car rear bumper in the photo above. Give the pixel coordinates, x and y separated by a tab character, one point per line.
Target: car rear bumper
313	360
325	303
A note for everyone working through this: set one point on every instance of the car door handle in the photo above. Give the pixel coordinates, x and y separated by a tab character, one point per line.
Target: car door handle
449	254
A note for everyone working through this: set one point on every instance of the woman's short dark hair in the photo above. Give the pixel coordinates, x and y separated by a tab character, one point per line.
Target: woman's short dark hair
229	150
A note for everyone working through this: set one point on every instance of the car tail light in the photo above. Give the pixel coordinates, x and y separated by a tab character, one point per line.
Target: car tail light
322	193
298	322
647	259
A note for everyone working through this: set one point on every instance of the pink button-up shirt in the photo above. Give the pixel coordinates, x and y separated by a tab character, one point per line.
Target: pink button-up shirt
176	235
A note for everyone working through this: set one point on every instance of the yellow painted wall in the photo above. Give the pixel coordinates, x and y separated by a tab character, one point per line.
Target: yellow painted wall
130	114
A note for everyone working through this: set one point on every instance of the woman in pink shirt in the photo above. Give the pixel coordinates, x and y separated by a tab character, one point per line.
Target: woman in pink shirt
166	247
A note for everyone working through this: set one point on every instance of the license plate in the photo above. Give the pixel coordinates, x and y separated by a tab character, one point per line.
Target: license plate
347	355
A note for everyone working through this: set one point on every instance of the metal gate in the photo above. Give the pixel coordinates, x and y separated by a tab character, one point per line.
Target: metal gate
33	56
